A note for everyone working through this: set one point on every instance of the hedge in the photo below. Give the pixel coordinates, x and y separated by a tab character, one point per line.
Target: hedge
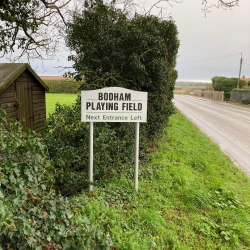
63	86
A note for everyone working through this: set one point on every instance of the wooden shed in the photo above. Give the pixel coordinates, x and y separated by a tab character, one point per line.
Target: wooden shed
22	93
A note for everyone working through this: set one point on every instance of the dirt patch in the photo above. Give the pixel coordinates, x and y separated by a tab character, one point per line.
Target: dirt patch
52	77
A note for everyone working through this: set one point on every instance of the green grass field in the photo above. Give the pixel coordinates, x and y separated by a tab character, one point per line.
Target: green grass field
52	99
191	196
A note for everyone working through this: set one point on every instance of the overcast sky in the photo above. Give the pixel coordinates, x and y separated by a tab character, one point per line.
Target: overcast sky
223	34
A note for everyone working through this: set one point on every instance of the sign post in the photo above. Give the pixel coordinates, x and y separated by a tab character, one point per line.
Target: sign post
137	127
91	154
113	104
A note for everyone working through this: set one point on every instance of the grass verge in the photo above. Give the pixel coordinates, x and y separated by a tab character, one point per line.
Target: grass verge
52	99
191	196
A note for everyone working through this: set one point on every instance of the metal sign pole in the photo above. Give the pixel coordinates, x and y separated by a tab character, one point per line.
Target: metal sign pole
91	132
113	104
137	130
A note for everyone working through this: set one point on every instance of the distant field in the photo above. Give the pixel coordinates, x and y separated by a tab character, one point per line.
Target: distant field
181	89
52	99
192	87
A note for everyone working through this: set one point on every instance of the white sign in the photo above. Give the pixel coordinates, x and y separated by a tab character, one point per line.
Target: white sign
114	104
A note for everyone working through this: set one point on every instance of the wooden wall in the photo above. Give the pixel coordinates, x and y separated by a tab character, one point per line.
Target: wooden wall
8	99
39	106
24	100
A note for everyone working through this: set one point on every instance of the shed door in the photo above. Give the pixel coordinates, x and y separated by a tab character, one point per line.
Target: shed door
24	104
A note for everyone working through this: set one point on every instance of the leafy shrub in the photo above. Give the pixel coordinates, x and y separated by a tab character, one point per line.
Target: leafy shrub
221	83
245	101
63	86
227	95
245	90
137	53
67	139
32	215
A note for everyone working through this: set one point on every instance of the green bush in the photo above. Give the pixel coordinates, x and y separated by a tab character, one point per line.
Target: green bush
137	53
241	90
221	83
67	139
32	215
63	86
245	101
227	95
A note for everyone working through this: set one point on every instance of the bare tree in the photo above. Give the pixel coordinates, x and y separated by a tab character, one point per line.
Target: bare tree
36	28
207	5
225	4
33	27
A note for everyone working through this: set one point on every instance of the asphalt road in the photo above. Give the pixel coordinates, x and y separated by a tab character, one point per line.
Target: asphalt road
226	124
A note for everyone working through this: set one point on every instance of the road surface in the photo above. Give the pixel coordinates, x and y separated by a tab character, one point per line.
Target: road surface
226	124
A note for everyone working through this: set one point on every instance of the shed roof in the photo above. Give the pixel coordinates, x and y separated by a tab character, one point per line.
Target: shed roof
9	72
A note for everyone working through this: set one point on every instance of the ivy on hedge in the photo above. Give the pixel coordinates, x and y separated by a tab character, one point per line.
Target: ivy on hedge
67	139
32	215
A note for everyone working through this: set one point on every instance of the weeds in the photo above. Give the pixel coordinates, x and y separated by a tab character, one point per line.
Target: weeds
186	200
